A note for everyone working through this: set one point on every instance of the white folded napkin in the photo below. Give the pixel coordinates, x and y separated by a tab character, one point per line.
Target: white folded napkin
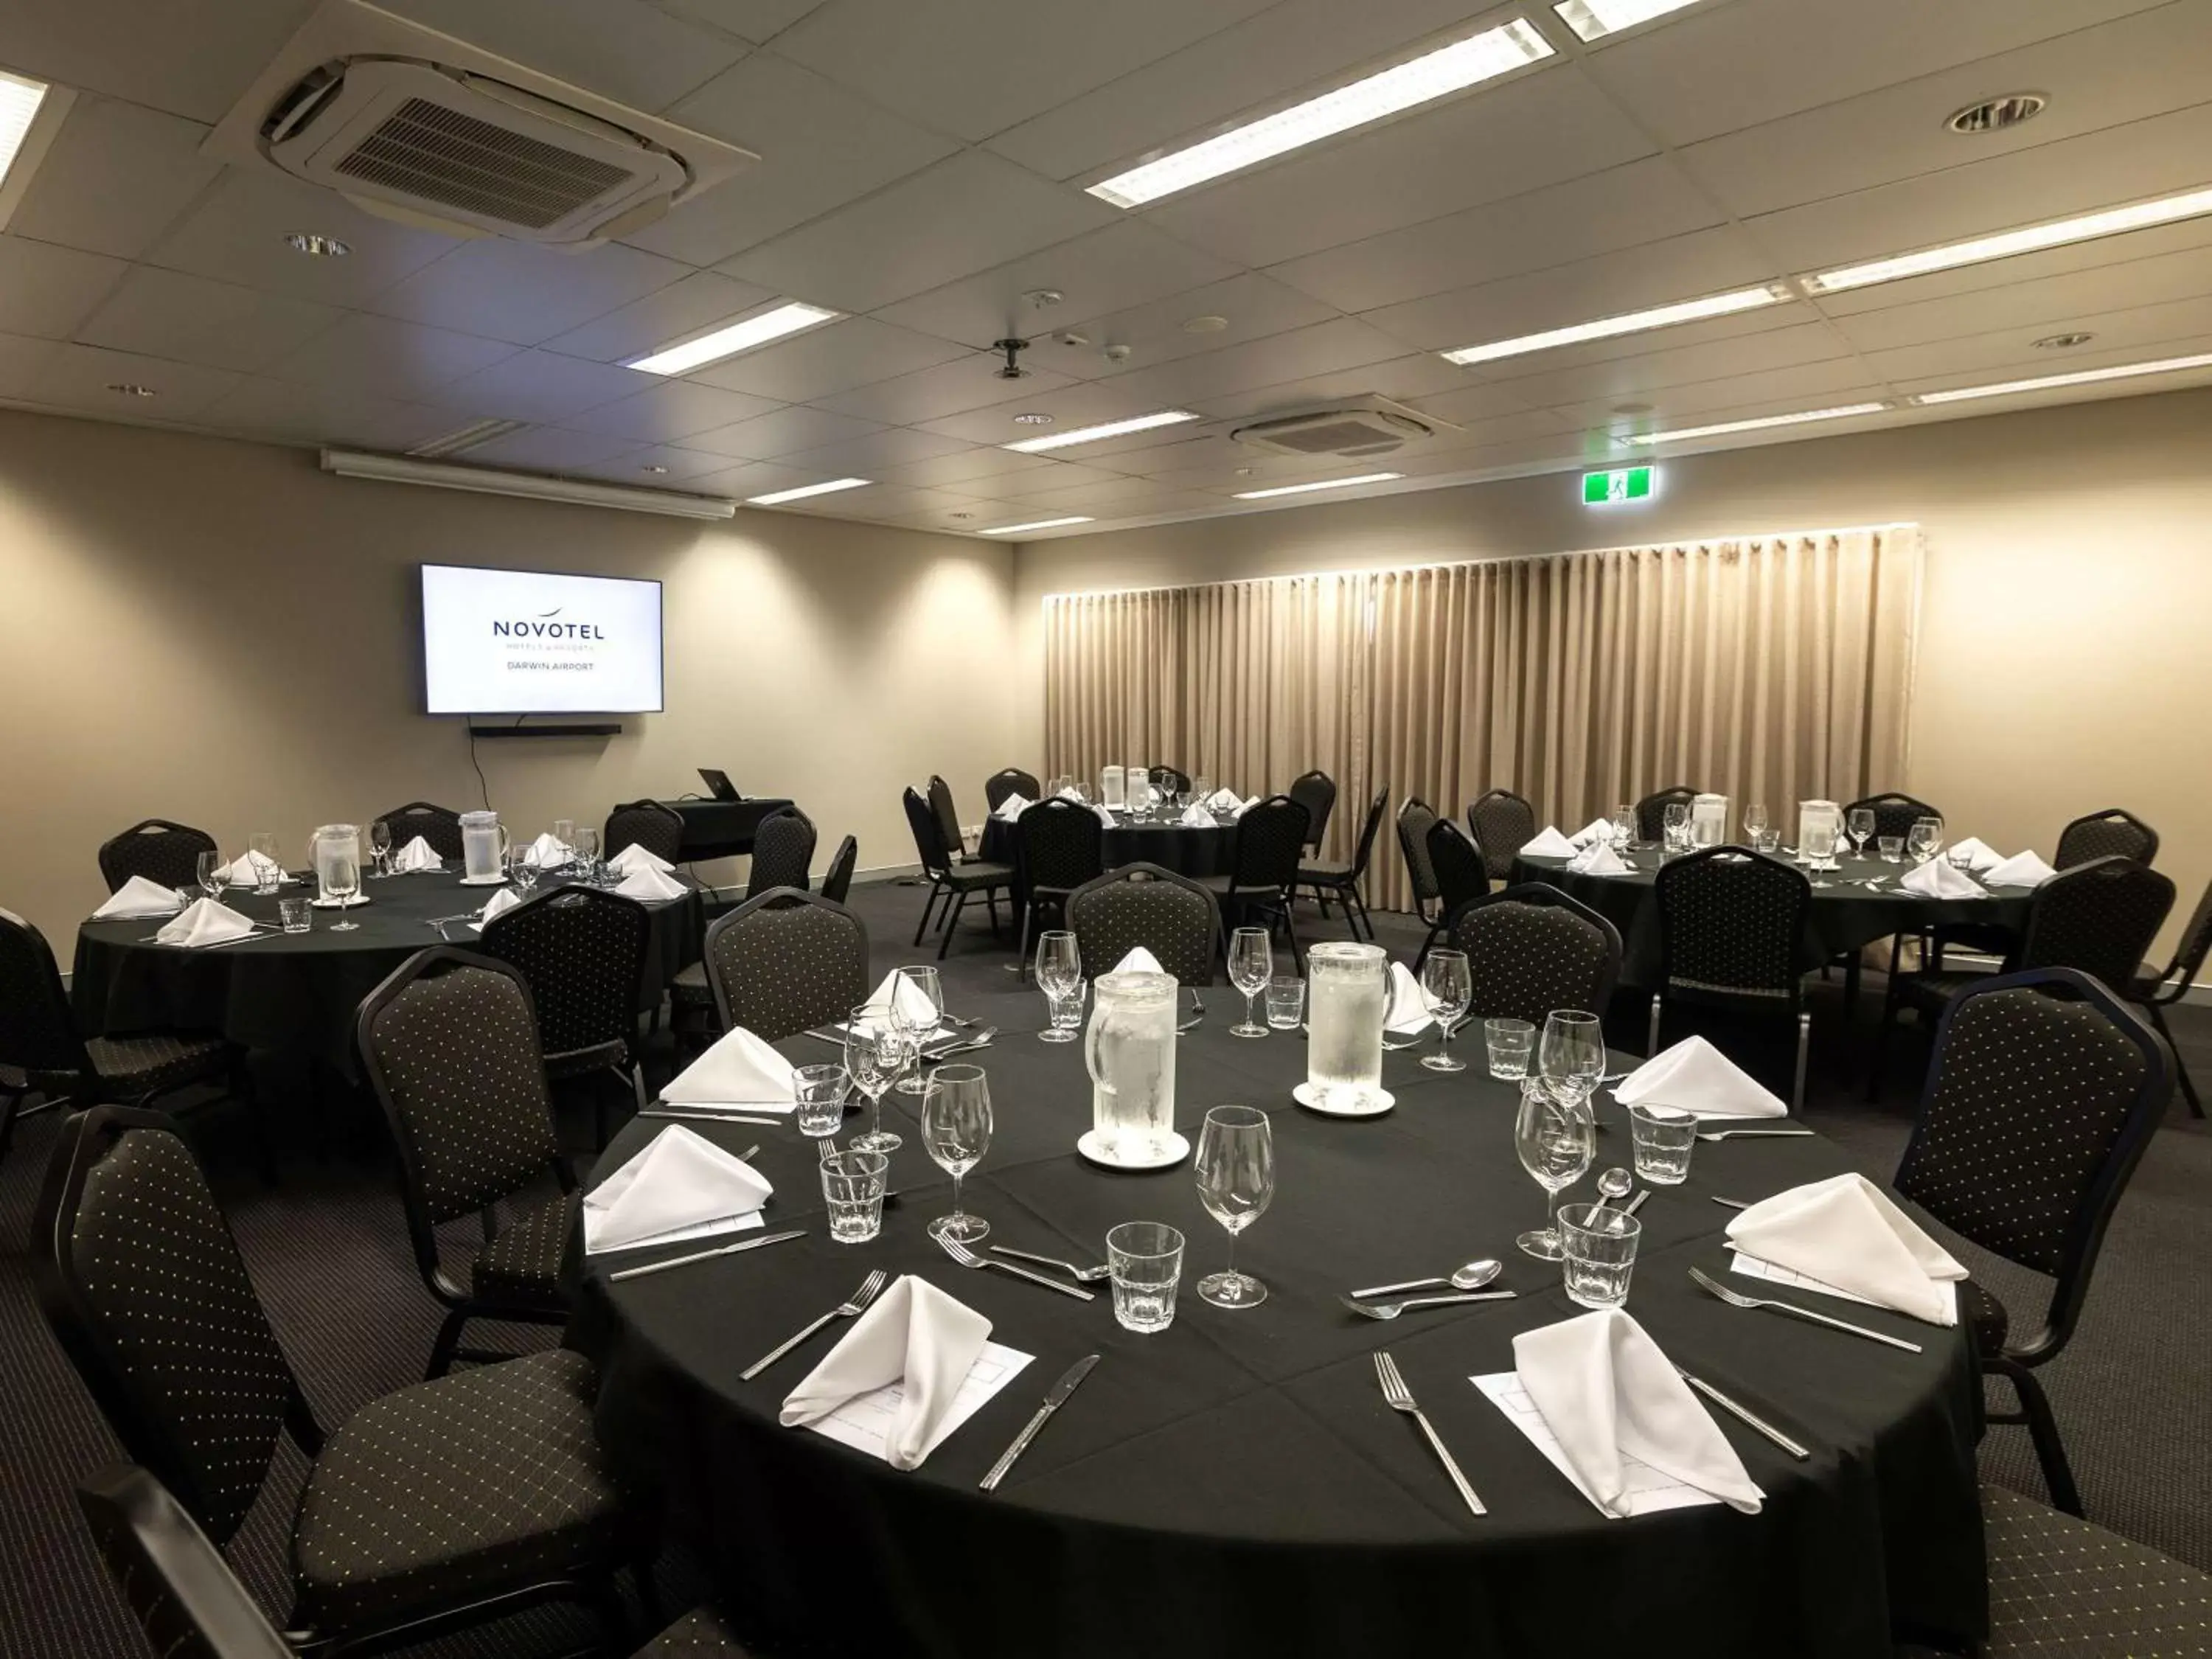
417	854
1548	843
1105	817
206	922
2021	870
246	869
1693	1076
548	851
1408	1011
1976	854
140	897
1012	808
739	1069
1596	830
681	1180
638	856
912	998
1139	960
497	905
1197	817
1607	1392
913	1333
650	885
1071	793
1597	859
1223	800
1937	879
1849	1233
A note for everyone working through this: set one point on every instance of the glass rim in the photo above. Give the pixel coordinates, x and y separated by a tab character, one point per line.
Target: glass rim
969	1073
1505	1025
1251	1115
823	1069
858	1159
1161	1255
1653	1112
1618	1223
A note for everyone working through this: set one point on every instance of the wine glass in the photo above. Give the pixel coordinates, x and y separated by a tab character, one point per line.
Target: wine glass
1675	819
214	872
917	1012
564	832
1251	965
1449	985
1235	1168
1859	826
522	869
1754	823
876	1053
268	868
1624	827
1556	1137
379	846
1571	1055
1925	839
956	1127
342	880
587	852
1059	975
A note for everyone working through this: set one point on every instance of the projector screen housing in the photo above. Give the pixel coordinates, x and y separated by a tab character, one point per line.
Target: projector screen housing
539	642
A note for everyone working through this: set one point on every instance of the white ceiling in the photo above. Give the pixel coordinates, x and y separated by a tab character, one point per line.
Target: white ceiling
921	170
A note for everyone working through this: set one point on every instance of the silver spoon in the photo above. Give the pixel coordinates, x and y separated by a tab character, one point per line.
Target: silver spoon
1472	1277
1392	1309
1616	1183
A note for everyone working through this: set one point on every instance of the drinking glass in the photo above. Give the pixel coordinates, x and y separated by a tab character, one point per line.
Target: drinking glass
342	878
1664	1139
214	871
1286	1002
876	1053
1059	971
1201	787
1144	1260
297	915
1754	823
1448	987
1572	1057
852	1192
1892	848
379	846
1064	1015
1598	1246
820	1092
588	851
1556	1139
268	868
521	871
1509	1042
1859	826
956	1128
1251	965
918	1027
1676	822
1925	839
1821	850
1624	827
1236	1182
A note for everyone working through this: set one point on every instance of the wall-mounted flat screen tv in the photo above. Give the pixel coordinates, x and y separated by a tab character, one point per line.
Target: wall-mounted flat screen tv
537	642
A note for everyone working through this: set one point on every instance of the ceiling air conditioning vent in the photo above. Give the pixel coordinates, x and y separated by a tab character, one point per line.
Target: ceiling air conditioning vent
1352	433
427	151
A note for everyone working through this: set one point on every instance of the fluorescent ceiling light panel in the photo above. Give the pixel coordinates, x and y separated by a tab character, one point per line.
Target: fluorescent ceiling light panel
2080	377
1842	412
1041	523
1450	69
1325	484
1092	434
1633	322
799	495
1593	20
787	318
20	100
2111	221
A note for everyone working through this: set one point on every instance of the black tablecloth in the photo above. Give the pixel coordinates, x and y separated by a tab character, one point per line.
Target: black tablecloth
296	993
1235	1485
720	828
1172	846
1844	915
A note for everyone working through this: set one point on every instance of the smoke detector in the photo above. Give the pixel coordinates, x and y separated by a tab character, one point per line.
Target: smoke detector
1371	427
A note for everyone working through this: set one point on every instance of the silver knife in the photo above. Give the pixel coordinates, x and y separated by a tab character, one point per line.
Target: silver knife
701	1255
1636	1203
1052	1402
1743	1414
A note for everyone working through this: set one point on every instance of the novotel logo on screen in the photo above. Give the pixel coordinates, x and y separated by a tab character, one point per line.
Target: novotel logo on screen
542	628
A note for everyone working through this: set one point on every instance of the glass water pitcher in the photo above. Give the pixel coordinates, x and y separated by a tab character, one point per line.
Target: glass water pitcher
1130	1052
1347	988
484	845
336	849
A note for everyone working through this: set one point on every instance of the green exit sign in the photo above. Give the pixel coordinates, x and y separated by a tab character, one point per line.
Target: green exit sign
1627	484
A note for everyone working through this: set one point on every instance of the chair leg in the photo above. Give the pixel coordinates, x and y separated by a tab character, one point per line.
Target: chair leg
1851	982
242	1091
1291	932
2157	1018
1881	1041
2043	1431
1022	953
928	905
449	1339
1804	1049
1428	944
1651	1031
951	920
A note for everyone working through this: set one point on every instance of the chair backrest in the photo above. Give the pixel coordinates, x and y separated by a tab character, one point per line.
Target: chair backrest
1315	791
1170	780
1270	837
2098	918
837	880
182	1592
1502	823
161	851
929	843
1365	850
1012	781
581	950
440	826
2114	832
1894	814
1731	924
1058	845
1532	949
144	1288
1171	915
2195	944
785	961
1651	811
644	823
783	852
947	814
1457	863
1414	817
37	1032
2043	1091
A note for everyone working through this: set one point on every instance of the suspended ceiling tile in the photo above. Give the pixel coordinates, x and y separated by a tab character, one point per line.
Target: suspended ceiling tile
751	478
688	306
389	358
540	385
1342	342
624	50
671	411
1080	405
290	412
1409	379
868	455
190	60
2140	334
83	378
1824	384
2061	302
118	175
1681	365
48	291
235	232
966	383
545	449
2028	268
21	359
828	358
968	470
1249	306
522	294
780	433
757	21
663	466
1061	475
170	314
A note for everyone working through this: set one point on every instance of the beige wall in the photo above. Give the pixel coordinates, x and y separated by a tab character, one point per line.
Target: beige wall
218	633
2065	656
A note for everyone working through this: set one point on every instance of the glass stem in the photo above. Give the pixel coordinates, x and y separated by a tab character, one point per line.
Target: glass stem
956	1216
1248	1020
1552	1211
1231	1269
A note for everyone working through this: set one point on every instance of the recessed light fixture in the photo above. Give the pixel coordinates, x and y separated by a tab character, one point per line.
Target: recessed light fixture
1450	69
1842	412
1325	484
1041	523
1593	20
1996	114
20	102
1041	297
1633	322
1032	418
2109	222
472	435
779	497
2063	341
960	515
1206	325
727	342
1092	434
132	389
2080	377
650	467
318	247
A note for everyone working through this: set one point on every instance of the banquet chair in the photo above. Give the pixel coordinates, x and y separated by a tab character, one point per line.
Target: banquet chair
449	1044
1315	791
2045	1091
439	826
783	852
1058	845
443	1505
166	854
1894	814
948	818
581	950
1457	863
999	786
953	884
2114	832
1532	949
1171	915
2155	994
837	880
41	1051
2061	1586
1651	811
786	961
1263	870
644	823
1731	925
1169	780
1327	876
1414	817
1502	822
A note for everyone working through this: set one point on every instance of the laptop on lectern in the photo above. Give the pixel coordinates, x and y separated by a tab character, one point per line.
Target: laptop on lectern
719	784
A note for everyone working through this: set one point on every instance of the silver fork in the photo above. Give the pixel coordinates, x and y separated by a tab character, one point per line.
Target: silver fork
851	1308
967	1258
1081	1275
1402	1400
1737	1299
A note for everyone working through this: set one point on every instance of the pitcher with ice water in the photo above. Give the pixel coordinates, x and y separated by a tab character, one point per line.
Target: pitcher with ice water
1130	1052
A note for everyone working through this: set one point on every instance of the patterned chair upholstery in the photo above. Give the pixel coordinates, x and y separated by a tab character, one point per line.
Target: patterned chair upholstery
644	823
441	826
1731	925
954	884
465	1499
837	880
2113	833
1057	848
696	1635
2045	1091
1263	872
1532	949
1326	877
1002	786
948	817
1315	791
1414	817
1171	915
449	1042
2062	1587
581	950
164	852
2155	992
1502	823
1457	865
1651	811
1894	814
783	852
786	961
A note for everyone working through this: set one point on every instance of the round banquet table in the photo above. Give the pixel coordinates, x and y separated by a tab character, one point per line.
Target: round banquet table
1236	1487
296	993
1845	915
1172	846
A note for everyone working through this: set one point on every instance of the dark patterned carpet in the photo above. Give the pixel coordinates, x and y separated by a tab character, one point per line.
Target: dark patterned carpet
328	1251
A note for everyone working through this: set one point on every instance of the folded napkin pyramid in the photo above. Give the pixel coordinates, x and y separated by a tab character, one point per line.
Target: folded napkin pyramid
2021	870
650	885
249	868
681	1180
1693	1076
497	905
1223	800
1069	792
1937	879
417	854
1139	960
1607	1393
140	897
1548	843
914	1006
548	851
638	856
1847	1232
1195	817
739	1069
1012	808
1976	854
1598	859
913	1332
206	922
1596	830
1408	1011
